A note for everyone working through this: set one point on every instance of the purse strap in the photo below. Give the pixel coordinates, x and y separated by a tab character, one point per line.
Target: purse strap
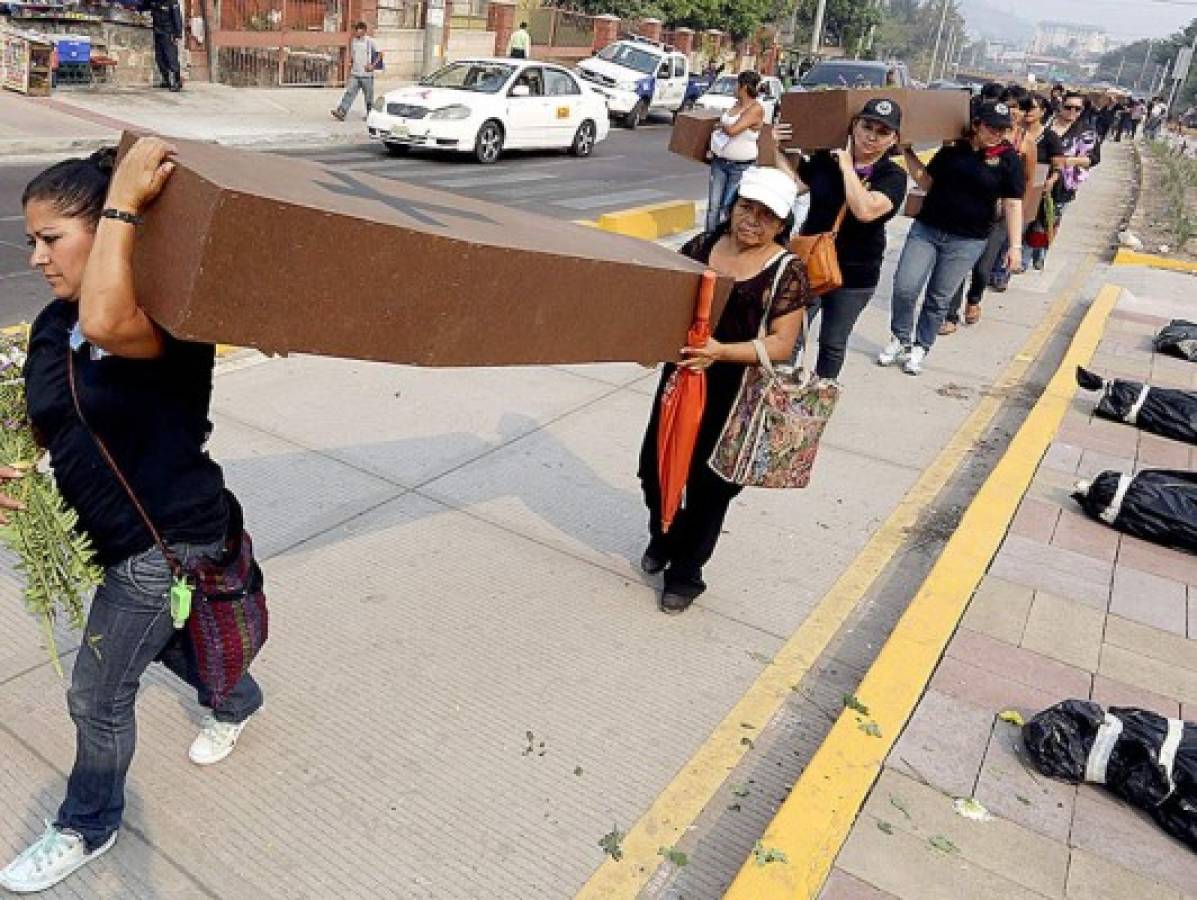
783	260
839	220
171	560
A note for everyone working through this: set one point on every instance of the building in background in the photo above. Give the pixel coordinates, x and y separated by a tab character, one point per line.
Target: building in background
1069	40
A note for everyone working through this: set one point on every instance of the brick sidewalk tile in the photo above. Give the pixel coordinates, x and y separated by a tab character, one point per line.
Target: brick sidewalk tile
999	608
1109	692
944	743
1161	453
1092	878
990	692
1077	532
1031	669
1150	599
1008	787
1149	557
1058	571
1035	519
842	886
1063	457
1154	675
1064	630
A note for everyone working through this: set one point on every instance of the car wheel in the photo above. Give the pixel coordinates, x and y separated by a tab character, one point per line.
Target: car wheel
396	149
636	116
583	144
488	147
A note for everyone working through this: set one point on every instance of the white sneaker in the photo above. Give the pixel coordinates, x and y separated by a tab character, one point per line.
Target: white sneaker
48	860
895	351
914	361
216	740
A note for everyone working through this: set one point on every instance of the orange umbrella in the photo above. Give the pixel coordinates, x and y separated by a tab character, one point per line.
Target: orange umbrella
682	404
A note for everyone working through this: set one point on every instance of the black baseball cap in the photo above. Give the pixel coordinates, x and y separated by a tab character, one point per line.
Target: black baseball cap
885	111
995	114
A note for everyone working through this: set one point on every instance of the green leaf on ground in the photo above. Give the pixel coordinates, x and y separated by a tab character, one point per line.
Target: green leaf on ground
762	658
1013	716
611	842
578	770
871	728
735	807
1021	799
673	855
900	805
885	827
850	702
942	844
741	790
747	742
764	855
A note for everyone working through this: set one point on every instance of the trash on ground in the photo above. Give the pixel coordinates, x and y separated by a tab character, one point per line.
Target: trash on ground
1168	412
971	808
1144	758
1158	505
1013	716
1178	338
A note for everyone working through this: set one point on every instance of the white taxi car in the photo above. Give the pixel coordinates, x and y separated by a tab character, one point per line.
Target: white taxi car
484	106
721	96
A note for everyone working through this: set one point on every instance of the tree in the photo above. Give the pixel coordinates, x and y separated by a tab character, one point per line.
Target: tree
1130	60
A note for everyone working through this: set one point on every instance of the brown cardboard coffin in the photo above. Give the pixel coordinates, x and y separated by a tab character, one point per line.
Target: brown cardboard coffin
286	255
1034	194
692	132
820	119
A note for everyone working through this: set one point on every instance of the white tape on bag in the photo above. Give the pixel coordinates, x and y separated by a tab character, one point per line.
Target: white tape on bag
1103	746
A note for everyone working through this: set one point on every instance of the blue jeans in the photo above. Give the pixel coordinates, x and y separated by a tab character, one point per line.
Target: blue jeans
939	261
363	83
840	309
725	181
129	627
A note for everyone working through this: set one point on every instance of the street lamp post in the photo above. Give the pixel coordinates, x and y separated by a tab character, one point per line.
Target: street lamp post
816	36
1146	60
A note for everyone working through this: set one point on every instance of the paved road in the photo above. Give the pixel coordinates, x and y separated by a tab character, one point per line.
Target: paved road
628	169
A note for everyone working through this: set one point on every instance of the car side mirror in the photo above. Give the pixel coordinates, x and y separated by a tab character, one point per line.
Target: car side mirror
664	71
521	90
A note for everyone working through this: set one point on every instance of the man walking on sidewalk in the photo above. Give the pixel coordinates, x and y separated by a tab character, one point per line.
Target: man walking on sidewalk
520	45
168	28
364	56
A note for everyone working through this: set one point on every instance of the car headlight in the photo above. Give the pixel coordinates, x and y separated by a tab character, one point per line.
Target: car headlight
626	85
453	113
380	105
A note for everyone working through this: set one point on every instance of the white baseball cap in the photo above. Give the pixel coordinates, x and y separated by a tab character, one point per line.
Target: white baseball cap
772	187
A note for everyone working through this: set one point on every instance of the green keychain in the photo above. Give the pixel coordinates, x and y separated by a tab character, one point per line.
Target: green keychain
180	601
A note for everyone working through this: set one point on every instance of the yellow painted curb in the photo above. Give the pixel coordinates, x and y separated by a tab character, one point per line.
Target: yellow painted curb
652	222
818	815
1126	257
685	797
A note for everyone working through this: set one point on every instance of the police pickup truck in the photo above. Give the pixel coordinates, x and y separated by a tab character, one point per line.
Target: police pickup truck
638	77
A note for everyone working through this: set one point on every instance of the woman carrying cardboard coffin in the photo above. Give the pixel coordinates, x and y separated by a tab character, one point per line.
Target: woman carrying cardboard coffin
965	182
853	192
734	147
750	249
122	408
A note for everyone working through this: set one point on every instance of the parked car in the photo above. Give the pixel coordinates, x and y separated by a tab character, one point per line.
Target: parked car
722	95
854	73
638	77
485	106
943	84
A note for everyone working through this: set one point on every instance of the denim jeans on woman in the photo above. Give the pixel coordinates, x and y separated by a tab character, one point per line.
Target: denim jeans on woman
129	627
939	261
840	309
725	181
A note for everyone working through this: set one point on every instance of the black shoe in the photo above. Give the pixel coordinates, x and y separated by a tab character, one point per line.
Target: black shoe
651	563
680	592
1038	264
177	86
672	604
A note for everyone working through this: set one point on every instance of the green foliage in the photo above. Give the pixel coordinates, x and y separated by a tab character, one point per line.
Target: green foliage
1179	180
1130	60
53	558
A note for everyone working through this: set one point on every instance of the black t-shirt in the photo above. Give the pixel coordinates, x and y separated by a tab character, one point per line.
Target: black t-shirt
966	186
152	415
1048	146
860	246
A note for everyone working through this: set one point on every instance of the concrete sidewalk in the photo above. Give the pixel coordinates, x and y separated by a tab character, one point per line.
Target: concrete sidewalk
79	119
468	682
1069	608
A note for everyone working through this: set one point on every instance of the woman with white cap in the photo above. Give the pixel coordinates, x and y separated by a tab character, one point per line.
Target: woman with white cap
965	182
750	248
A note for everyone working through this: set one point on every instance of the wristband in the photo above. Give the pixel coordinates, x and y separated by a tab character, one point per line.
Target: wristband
121	216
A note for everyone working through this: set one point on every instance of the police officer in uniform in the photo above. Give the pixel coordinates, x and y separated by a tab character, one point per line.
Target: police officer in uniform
168	28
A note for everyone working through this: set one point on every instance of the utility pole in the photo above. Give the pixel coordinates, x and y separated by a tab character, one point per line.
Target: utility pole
1118	77
816	36
434	37
943	17
1184	59
1146	60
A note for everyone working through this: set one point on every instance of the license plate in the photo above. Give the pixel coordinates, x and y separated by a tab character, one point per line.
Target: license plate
399	131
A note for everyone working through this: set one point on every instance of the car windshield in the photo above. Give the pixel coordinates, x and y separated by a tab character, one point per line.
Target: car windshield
841	75
630	56
484	77
725	86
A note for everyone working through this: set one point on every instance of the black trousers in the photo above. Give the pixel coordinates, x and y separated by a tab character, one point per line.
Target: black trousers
978	280
695	531
166	55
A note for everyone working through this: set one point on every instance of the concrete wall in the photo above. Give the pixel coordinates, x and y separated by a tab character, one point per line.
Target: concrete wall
403	48
132	46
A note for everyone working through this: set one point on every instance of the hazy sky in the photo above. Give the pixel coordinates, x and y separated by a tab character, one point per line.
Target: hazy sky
1122	18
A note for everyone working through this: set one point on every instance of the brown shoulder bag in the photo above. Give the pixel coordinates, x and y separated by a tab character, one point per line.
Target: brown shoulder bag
817	252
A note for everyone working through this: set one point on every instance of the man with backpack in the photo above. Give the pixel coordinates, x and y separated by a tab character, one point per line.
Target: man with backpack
365	60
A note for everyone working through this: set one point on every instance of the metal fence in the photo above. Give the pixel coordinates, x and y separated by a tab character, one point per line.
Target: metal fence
280	15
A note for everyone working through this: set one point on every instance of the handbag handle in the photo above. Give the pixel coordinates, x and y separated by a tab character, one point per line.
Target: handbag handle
839	220
758	343
171	560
